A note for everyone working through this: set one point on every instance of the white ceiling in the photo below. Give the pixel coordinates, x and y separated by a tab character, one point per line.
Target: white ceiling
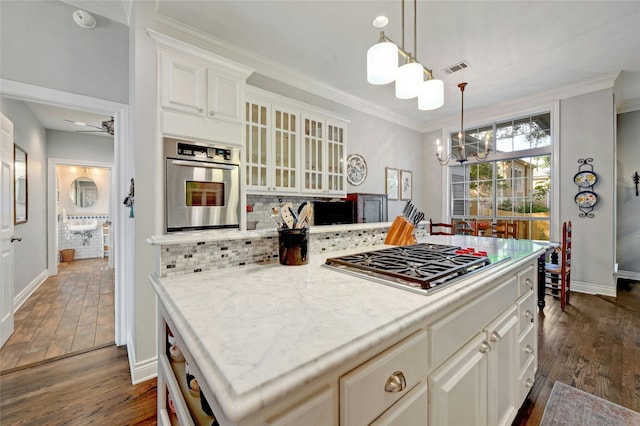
515	49
55	118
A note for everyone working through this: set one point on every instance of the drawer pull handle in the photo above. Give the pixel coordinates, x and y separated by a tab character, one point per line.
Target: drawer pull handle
495	336
396	382
484	348
529	383
528	349
212	113
529	282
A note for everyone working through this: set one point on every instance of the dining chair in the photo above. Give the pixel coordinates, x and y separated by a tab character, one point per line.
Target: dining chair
466	227
504	229
558	276
446	228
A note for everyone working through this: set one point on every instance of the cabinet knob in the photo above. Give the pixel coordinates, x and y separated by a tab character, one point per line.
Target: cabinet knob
528	313
484	348
495	336
529	383
528	349
200	110
396	382
212	113
529	283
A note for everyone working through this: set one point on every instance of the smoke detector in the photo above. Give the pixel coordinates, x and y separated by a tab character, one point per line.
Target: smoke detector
84	19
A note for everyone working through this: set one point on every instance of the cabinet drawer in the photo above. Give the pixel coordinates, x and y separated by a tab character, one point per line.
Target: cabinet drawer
526	280
362	391
526	311
453	332
527	347
410	410
527	380
317	411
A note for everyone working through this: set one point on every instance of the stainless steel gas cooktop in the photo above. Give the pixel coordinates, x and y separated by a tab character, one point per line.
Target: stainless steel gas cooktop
421	268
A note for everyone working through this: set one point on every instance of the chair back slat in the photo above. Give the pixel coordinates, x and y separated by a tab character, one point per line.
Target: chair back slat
447	228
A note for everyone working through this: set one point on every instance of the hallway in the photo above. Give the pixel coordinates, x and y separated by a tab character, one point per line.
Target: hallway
69	313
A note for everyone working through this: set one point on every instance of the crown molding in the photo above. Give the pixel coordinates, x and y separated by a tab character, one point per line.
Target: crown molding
286	75
628	105
529	104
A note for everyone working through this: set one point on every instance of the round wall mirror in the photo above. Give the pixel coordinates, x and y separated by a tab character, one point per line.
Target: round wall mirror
83	192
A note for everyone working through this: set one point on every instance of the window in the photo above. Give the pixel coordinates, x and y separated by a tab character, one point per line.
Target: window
515	185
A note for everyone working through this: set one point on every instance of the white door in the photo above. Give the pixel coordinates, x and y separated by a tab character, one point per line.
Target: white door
6	229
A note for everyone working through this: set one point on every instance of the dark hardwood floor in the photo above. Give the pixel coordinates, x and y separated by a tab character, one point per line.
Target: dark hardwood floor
89	388
594	345
70	312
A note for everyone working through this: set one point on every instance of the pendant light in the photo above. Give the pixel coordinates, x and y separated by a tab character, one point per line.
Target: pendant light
382	68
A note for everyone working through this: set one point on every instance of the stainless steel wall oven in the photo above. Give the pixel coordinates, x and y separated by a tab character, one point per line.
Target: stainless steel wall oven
202	186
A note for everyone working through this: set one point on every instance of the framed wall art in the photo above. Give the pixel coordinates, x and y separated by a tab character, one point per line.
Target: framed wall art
392	180
406	184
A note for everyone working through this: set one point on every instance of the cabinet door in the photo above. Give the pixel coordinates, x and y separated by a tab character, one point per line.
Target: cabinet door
335	163
183	84
312	163
459	387
318	411
256	146
503	367
285	149
224	97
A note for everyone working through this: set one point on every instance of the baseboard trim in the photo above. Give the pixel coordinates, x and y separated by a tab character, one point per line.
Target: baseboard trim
19	300
590	288
630	275
141	371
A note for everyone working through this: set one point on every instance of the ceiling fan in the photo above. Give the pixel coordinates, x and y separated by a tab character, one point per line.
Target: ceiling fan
107	126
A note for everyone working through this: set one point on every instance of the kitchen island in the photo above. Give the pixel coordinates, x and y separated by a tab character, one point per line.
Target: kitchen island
287	345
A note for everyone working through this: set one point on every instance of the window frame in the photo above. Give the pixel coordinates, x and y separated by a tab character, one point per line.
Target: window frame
553	150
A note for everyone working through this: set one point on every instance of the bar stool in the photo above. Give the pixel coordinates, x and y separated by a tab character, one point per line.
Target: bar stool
447	228
558	276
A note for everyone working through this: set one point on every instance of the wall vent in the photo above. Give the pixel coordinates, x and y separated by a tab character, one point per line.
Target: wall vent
456	67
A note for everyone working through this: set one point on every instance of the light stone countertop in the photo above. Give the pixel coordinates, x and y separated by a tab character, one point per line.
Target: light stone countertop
258	332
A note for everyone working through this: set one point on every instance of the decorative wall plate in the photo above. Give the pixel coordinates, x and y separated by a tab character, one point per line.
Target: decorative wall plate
585	179
586	199
356	169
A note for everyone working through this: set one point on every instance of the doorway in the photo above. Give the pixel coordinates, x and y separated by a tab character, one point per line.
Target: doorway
123	248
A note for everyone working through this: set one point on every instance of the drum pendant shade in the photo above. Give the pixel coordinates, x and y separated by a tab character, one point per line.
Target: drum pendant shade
431	95
408	80
382	63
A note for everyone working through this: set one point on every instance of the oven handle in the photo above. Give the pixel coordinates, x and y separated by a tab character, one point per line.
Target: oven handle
201	164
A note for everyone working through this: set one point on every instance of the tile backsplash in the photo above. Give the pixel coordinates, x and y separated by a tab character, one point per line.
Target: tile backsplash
187	258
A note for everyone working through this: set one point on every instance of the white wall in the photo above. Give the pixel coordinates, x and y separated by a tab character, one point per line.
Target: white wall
30	259
79	146
41	45
587	131
628	204
68	174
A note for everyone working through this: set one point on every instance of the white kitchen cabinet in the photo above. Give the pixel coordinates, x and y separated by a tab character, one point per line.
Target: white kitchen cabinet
195	87
410	410
376	385
289	149
271	148
201	94
317	411
486	375
323	156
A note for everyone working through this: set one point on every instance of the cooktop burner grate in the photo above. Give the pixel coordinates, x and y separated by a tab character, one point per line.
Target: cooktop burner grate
420	265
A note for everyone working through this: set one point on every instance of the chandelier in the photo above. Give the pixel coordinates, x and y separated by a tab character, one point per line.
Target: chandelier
462	157
382	68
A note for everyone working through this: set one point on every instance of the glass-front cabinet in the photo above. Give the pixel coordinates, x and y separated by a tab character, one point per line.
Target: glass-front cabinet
271	148
293	148
323	157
